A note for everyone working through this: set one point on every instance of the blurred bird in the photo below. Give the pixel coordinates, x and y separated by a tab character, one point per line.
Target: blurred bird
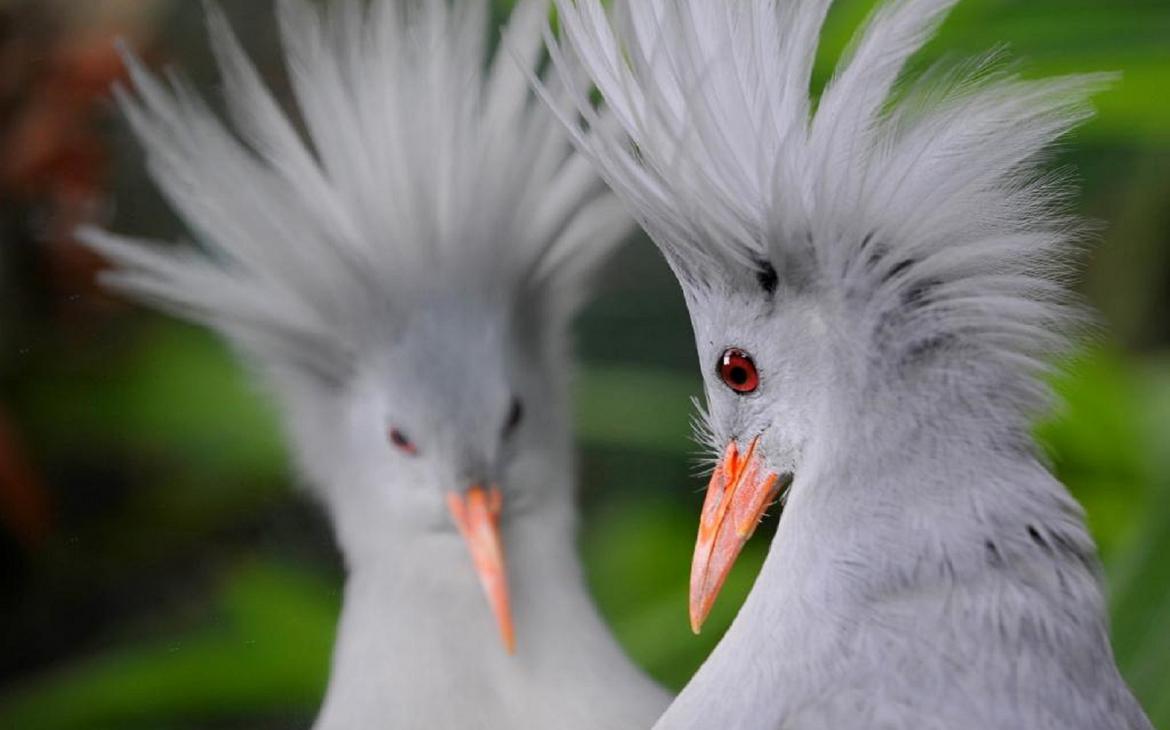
875	284
402	283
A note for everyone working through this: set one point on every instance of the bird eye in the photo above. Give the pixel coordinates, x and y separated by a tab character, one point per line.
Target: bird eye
515	416
400	441
738	371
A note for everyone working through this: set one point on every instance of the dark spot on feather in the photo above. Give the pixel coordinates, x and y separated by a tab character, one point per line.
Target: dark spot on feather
994	559
766	276
926	349
798	262
1068	547
916	295
1038	538
1063	543
897	269
636	154
515	416
875	257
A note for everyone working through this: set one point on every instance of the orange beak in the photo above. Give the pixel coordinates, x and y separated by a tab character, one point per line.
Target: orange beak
739	492
477	515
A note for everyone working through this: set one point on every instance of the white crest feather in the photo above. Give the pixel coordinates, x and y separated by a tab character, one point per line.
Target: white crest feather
421	170
921	213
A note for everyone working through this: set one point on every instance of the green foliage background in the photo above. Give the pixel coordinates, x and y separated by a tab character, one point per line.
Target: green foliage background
189	584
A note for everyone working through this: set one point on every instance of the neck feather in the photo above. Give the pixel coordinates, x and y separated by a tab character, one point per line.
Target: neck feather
417	641
922	515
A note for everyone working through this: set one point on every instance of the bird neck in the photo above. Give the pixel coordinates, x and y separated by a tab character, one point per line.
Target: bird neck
417	645
902	538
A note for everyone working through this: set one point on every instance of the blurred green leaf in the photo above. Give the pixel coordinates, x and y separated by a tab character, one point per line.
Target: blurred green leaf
182	407
635	408
1140	573
1095	444
638	553
178	394
266	650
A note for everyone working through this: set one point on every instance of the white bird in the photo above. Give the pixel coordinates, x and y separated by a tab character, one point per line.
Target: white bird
876	287
402	282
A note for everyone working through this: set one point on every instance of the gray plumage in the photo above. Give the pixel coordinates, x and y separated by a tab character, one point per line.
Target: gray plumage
402	280
893	257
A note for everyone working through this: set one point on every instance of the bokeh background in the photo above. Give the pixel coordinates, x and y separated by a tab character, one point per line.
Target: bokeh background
160	569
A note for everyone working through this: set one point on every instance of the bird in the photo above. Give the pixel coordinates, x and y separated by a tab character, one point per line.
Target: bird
397	261
877	280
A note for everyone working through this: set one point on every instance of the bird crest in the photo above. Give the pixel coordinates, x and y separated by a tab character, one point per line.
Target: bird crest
915	208
420	173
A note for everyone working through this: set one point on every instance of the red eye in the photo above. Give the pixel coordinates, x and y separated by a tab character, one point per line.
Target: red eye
738	372
404	444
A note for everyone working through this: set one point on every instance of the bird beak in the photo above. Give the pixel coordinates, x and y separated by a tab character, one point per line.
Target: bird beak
477	515
739	492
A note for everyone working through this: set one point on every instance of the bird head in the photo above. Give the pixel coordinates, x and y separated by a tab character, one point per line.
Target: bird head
444	407
764	353
434	433
852	255
401	276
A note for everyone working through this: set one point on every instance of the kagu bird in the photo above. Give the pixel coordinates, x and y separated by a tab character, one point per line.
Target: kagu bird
875	289
402	283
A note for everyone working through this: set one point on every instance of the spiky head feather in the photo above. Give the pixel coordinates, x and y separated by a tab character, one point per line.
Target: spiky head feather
918	213
423	176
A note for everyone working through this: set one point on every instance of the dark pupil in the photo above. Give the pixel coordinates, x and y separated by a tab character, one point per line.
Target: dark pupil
738	375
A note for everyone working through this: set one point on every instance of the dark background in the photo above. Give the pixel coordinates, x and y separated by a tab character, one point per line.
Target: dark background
158	567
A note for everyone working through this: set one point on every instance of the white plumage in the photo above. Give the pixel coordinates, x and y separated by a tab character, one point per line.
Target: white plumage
402	282
875	280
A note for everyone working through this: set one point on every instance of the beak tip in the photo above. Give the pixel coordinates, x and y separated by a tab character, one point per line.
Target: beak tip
477	517
698	618
740	491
